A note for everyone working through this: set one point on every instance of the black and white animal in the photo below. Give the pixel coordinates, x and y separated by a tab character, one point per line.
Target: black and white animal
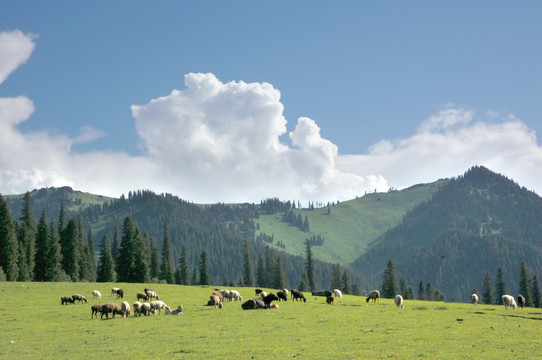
282	296
66	300
268	299
373	295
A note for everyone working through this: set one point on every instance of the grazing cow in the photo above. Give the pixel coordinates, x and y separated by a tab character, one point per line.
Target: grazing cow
474	299
509	302
338	293
178	311
282	296
95	309
112	308
296	295
521	301
79	297
142	295
215	301
96	294
125	309
373	295
66	300
399	301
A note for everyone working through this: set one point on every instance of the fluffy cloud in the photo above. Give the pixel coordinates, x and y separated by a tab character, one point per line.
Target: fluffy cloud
215	141
15	49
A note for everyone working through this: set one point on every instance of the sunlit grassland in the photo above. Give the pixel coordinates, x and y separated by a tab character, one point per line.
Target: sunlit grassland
35	325
350	225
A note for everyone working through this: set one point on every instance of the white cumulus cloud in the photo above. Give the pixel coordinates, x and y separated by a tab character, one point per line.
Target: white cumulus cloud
15	49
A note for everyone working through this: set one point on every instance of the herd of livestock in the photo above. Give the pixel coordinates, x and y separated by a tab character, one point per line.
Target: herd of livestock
151	303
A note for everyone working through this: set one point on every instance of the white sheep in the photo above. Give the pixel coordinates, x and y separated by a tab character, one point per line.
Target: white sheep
509	302
178	311
159	305
373	295
474	299
263	294
338	293
96	294
235	295
125	309
147	309
137	308
399	301
152	295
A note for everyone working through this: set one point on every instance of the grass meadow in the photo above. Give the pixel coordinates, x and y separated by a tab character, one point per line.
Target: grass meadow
35	326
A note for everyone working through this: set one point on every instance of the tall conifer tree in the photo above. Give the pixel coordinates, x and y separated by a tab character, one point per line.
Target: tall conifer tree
27	240
537	295
390	286
525	285
203	272
487	290
248	268
184	267
154	260
9	245
106	265
310	271
53	255
41	248
500	287
167	267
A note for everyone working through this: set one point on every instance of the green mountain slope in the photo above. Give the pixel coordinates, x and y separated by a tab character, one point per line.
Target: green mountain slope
476	223
350	226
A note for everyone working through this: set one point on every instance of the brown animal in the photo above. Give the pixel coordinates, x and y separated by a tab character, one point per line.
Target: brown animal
296	294
142	295
112	308
215	301
95	309
330	299
521	301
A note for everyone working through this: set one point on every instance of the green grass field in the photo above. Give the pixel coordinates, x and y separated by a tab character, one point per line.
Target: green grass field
36	326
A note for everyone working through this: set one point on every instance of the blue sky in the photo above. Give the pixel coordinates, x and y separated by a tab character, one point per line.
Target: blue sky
308	100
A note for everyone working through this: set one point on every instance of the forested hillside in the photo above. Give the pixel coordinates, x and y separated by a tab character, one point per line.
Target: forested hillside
476	224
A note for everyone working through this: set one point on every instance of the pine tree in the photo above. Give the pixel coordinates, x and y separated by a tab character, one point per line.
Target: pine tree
62	216
142	246
487	290
70	250
154	260
537	295
167	266
390	287
500	286
311	273
261	274
87	263
279	277
27	241
421	291
248	269
184	266
345	283
429	292
106	265
405	289
336	276
304	283
9	246
41	248
525	285
203	272
356	289
132	264
53	255
115	246
269	266
195	276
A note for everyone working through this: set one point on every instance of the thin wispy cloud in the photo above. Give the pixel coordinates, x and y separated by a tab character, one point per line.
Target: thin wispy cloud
211	141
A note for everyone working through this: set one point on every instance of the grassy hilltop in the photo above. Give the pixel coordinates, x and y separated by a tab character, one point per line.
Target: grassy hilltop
35	325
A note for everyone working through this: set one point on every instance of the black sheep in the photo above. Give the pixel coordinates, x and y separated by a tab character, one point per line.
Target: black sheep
282	296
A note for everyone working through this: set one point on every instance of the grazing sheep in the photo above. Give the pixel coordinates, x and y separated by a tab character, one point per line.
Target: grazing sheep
142	295
521	301
95	309
114	291
112	308
219	294
296	295
79	297
66	300
373	295
178	311
96	294
509	302
474	299
147	309
399	301
235	295
282	296
137	308
215	302
120	293
125	308
338	293
152	295
147	289
286	292
159	305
